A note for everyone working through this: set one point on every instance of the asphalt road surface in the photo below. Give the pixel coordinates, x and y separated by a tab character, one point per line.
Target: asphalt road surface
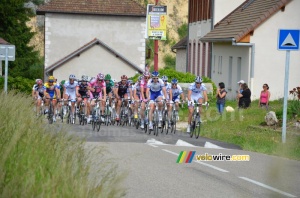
152	171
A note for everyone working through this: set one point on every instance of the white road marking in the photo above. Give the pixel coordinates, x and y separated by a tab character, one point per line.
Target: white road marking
211	166
170	152
267	187
183	143
211	145
152	145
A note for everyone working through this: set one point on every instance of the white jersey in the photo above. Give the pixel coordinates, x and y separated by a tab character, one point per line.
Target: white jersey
168	87
70	87
137	87
177	91
195	90
155	87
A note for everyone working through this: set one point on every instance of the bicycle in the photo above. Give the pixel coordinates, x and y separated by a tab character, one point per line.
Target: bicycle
124	113
82	111
164	122
50	111
107	113
155	120
137	121
95	121
196	121
113	112
67	110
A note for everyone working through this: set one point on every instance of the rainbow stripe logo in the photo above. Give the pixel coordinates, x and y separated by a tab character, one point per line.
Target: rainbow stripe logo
189	157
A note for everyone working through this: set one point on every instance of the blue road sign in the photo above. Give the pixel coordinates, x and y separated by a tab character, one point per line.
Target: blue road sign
288	39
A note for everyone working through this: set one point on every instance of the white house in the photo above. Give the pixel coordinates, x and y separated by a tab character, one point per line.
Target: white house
88	37
245	47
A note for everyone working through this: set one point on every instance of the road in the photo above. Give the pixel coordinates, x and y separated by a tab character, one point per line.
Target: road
150	162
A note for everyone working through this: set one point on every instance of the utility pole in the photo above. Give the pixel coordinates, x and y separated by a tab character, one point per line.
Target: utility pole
156	49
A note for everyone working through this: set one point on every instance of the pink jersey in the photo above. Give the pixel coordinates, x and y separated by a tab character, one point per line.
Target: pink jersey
98	85
143	84
264	97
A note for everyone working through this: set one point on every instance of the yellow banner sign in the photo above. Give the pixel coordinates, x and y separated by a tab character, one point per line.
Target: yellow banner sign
157	22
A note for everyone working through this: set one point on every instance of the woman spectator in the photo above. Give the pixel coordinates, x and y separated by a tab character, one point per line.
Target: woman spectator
221	94
264	97
244	97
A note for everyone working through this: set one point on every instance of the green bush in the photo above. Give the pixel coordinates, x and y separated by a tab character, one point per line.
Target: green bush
169	61
39	160
182	30
19	84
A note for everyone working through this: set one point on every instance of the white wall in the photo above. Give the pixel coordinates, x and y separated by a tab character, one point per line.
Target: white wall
220	66
269	62
223	7
65	33
181	60
93	61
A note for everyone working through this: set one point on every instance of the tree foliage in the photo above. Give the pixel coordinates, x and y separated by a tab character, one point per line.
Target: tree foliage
182	30
13	29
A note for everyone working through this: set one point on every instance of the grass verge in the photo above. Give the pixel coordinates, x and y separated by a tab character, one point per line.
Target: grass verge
40	160
247	129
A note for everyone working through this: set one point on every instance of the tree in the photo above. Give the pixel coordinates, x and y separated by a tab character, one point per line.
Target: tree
13	28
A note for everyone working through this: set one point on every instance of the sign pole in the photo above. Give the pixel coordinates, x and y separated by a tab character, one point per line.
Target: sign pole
286	83
6	69
156	49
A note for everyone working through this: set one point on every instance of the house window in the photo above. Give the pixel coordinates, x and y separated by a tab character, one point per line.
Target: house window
230	73
189	58
220	65
203	58
198	59
194	57
239	68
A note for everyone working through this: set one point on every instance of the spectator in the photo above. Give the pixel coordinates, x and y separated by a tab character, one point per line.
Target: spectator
240	90
244	97
264	97
221	94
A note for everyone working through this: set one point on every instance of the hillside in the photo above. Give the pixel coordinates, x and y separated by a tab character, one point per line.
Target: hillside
177	15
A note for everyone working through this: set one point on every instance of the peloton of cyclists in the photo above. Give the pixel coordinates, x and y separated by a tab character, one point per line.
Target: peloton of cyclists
69	92
122	89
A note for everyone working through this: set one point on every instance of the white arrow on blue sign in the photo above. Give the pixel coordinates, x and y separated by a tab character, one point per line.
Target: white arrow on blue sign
288	39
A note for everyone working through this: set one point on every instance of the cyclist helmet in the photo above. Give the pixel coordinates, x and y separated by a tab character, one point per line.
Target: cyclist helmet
164	78
84	78
146	74
198	79
107	77
51	79
72	76
100	76
130	82
155	74
92	78
124	77
140	78
174	81
114	80
37	81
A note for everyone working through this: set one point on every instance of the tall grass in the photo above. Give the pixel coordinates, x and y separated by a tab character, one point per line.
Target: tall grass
40	160
247	129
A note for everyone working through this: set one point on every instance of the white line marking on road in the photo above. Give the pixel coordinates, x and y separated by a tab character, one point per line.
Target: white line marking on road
268	187
170	152
183	143
152	145
211	166
211	145
208	165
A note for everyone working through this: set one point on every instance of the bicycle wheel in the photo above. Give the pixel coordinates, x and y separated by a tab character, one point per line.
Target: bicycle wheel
192	128
50	113
173	123
98	125
197	129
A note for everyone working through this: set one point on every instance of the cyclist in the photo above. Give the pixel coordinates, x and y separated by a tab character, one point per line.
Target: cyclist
155	88
53	92
69	90
122	89
33	94
177	94
39	93
61	84
83	91
98	86
109	87
197	92
169	96
143	97
137	95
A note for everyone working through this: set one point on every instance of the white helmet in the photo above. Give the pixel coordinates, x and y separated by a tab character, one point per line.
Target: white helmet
85	78
198	79
164	78
72	76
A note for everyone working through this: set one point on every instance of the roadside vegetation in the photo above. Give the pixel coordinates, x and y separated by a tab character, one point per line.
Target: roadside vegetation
247	128
41	160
